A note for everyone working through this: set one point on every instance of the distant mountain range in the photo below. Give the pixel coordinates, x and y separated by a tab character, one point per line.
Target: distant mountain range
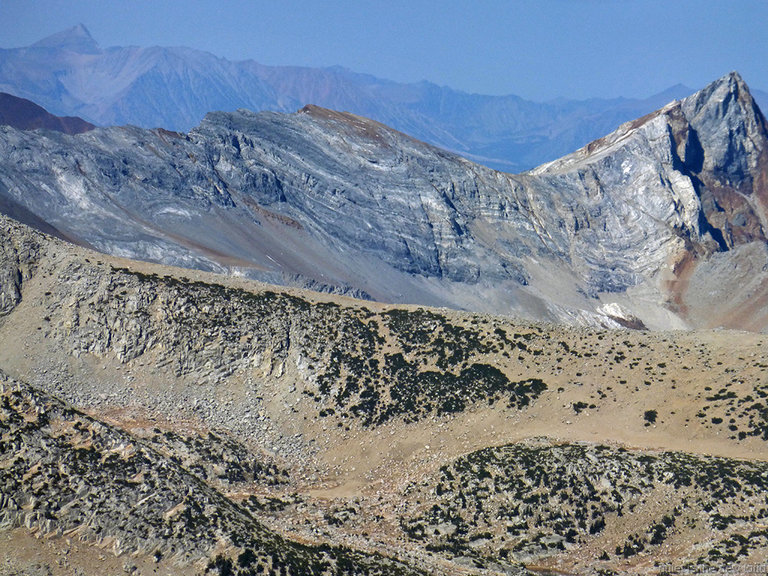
654	224
69	74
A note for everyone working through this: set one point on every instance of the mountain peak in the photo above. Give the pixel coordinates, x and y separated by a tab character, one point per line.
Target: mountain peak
732	78
715	110
723	92
76	39
732	83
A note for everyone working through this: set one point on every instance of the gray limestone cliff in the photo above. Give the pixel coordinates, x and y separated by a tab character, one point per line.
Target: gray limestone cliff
337	202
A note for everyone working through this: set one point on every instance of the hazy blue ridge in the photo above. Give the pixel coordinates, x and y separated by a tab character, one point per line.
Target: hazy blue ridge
69	74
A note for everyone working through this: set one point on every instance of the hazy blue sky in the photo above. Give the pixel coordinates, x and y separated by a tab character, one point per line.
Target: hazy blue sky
537	49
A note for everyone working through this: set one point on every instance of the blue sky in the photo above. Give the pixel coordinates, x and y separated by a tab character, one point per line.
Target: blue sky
538	49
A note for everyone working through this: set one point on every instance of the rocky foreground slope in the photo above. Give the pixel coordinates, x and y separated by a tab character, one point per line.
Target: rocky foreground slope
652	225
69	477
163	419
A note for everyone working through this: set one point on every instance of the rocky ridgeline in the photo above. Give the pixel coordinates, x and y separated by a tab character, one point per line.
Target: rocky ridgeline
65	474
347	360
237	356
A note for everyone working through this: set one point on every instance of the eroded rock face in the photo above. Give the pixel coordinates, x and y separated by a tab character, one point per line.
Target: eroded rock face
726	162
693	172
338	202
19	253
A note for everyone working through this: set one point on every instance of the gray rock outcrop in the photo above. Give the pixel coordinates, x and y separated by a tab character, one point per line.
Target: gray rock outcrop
332	200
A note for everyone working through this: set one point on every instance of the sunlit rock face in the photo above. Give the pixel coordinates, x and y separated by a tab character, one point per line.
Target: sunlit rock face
338	202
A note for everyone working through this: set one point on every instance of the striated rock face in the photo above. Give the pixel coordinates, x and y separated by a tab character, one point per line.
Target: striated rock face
723	153
337	202
693	172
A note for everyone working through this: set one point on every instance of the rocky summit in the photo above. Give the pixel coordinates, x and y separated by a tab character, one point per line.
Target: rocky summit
660	224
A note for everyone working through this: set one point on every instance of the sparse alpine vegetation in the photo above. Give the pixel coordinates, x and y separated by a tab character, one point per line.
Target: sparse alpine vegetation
361	365
309	372
64	473
532	501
